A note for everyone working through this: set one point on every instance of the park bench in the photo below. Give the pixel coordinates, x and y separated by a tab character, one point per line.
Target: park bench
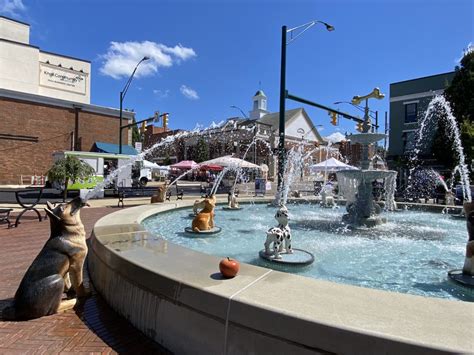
5	215
179	195
124	192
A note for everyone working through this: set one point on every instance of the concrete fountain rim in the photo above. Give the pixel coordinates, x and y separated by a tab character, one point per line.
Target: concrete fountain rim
410	318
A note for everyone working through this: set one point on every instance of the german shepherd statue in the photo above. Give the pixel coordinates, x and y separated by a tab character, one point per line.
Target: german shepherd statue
57	267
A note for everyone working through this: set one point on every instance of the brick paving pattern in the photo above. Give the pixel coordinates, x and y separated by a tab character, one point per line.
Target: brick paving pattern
93	327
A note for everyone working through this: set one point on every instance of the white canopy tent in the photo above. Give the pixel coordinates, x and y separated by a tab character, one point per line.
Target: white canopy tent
150	165
330	165
229	160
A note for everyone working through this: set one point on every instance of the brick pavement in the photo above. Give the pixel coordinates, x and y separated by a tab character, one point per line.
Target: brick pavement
91	328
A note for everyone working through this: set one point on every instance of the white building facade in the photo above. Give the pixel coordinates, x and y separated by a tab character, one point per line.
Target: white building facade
26	68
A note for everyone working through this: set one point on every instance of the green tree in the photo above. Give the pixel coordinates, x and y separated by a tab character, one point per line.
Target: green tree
202	150
69	169
460	92
135	133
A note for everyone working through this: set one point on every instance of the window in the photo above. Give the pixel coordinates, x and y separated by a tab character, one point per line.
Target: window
408	141
411	113
255	105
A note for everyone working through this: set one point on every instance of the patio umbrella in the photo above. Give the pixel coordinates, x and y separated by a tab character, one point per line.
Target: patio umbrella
229	160
185	165
331	165
211	167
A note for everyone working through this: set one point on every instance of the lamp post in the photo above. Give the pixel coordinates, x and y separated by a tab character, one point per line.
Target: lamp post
299	30
362	109
122	95
241	111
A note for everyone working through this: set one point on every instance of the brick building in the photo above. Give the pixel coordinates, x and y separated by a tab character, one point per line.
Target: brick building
45	106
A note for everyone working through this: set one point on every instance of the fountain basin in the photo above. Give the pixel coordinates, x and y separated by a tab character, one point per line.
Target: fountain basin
227	208
299	257
211	231
366	138
173	295
364	175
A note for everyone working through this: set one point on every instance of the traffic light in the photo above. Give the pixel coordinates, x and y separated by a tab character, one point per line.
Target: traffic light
333	118
165	120
360	126
143	129
156	117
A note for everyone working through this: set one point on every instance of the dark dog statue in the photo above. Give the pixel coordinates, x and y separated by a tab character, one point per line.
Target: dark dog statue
58	266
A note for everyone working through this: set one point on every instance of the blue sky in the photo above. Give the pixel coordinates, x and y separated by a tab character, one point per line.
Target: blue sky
209	55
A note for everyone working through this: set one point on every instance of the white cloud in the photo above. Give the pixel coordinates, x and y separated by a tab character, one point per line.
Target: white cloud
11	7
122	57
469	49
188	92
335	137
162	94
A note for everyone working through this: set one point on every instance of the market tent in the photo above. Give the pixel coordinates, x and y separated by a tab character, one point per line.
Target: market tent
211	167
185	165
331	165
150	165
229	160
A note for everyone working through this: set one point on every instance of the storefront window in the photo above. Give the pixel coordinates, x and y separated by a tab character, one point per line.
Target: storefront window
410	113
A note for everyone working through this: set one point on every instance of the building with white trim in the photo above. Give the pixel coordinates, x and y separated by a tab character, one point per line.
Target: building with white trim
45	106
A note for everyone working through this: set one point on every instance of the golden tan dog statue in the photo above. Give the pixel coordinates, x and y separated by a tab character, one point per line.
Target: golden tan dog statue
58	265
204	220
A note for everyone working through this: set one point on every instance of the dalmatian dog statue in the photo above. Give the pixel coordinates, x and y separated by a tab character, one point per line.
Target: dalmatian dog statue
232	200
327	198
277	235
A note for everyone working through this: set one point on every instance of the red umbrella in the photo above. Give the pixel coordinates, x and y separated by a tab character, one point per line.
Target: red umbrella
211	167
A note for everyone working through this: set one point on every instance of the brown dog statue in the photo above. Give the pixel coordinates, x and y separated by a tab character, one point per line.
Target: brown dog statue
204	220
58	266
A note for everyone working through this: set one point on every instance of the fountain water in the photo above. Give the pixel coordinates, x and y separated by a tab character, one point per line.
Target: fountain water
357	185
213	129
440	109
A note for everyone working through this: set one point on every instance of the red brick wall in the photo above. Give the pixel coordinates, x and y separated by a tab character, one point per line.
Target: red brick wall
53	127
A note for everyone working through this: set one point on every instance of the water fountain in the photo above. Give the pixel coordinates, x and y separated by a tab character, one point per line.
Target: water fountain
440	109
357	185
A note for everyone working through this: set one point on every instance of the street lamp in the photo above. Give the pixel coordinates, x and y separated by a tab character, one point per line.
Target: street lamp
299	30
122	95
241	111
375	114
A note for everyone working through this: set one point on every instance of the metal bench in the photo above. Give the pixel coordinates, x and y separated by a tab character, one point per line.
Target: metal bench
179	195
20	195
124	192
5	216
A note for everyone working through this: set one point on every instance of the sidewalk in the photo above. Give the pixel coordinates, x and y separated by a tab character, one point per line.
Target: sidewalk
91	328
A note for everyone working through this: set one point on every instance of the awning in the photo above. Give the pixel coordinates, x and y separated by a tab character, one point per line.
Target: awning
229	160
331	164
185	164
103	147
211	167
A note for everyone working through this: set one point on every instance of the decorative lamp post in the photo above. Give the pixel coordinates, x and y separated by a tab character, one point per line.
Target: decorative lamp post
122	95
299	30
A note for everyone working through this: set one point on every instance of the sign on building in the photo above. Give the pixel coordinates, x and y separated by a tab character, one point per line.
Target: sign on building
62	79
138	147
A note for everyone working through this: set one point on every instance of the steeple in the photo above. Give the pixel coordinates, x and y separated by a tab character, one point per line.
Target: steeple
259	105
